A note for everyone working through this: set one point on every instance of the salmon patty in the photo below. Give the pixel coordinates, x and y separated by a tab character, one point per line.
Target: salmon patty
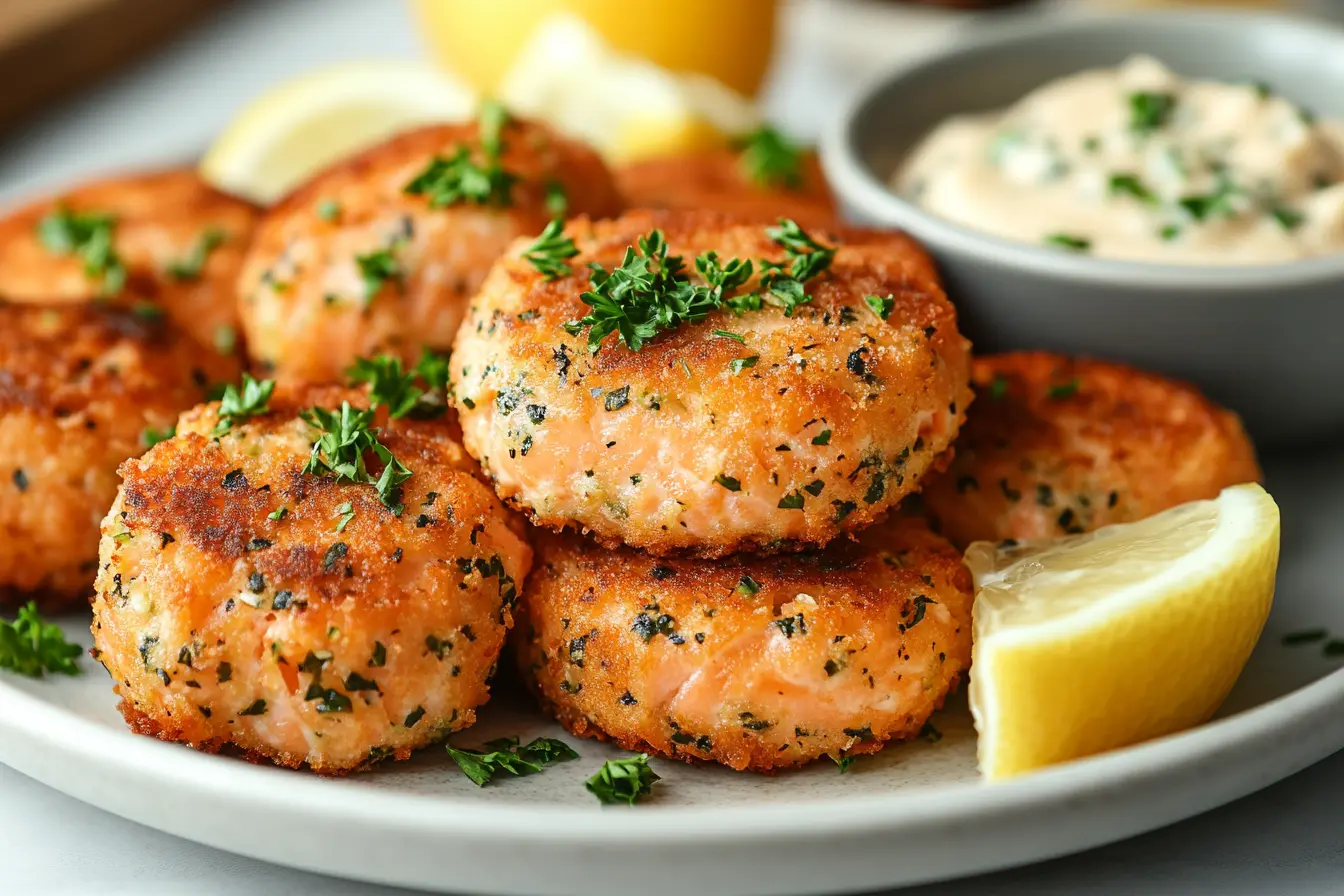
165	238
760	663
82	388
248	596
1057	445
726	180
380	253
770	430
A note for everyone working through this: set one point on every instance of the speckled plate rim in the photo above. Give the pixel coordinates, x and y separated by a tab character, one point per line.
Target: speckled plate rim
859	186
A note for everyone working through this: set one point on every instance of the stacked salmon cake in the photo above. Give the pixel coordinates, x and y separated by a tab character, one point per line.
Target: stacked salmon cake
713	418
116	313
311	570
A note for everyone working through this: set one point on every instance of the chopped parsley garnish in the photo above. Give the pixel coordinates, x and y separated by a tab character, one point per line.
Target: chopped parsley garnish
623	780
723	278
1131	185
149	436
822	438
647	294
728	482
549	252
347	513
807	259
88	237
1069	241
225	339
1307	636
1169	232
278	513
557	201
31	646
770	159
460	178
1150	110
650	291
190	266
792	501
736	337
397	389
378	268
390	385
504	755
1202	205
920	603
255	708
880	306
844	762
747	585
329	210
345	438
1288	218
1060	391
998	387
740	364
237	406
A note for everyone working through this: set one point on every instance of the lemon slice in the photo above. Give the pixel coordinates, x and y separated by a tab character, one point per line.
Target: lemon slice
628	108
1131	632
294	130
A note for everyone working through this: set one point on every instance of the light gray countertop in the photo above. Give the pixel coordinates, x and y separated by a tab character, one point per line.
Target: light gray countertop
1285	840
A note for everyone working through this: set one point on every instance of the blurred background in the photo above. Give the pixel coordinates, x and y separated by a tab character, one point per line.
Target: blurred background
101	85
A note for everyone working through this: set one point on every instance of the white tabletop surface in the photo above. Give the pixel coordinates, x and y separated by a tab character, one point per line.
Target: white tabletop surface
1285	840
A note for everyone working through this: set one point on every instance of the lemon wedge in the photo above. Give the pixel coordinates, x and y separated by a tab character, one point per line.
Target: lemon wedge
296	129
1098	641
628	108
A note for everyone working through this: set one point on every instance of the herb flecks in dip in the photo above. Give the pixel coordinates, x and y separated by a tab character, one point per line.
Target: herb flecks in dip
1137	163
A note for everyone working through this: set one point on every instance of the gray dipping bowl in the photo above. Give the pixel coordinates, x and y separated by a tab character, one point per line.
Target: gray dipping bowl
1267	341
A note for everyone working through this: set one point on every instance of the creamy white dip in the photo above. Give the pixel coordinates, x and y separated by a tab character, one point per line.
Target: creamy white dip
1138	163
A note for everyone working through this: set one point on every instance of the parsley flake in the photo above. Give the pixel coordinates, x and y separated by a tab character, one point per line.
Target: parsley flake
239	405
737	365
460	178
189	267
31	646
1069	241
1149	110
1060	391
769	159
623	780
88	237
396	389
344	439
880	306
549	252
149	436
378	268
504	755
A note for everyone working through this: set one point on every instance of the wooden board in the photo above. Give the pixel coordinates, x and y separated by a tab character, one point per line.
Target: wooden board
49	48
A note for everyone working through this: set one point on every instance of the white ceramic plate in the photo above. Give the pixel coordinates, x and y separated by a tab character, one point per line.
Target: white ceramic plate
915	812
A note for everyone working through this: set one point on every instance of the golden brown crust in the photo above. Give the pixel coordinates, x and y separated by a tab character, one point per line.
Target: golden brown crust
161	218
760	663
302	293
714	180
224	620
840	416
79	388
1055	445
